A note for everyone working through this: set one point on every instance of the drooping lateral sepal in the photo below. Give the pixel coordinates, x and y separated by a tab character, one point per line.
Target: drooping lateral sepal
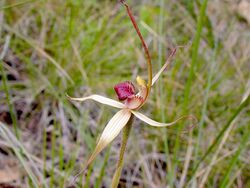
154	123
113	128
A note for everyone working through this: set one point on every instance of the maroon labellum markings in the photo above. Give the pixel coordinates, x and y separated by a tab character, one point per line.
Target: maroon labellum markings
131	100
124	90
131	103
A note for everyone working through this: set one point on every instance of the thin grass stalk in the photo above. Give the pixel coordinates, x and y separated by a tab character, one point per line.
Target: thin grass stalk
2	4
88	176
216	153
16	4
44	153
6	88
102	172
125	136
195	49
61	155
41	51
221	133
205	101
19	152
233	161
53	157
169	175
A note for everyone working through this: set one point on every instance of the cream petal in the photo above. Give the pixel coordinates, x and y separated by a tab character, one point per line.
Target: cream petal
156	77
158	124
113	128
100	99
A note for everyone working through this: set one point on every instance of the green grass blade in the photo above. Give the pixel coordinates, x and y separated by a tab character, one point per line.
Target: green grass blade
7	135
16	4
169	176
205	102
233	161
53	156
44	153
102	172
195	49
6	88
217	139
194	63
41	51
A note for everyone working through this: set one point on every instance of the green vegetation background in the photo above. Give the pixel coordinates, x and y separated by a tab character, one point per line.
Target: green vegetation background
82	47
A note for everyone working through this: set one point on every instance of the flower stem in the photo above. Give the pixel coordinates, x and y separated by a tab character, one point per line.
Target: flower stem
125	136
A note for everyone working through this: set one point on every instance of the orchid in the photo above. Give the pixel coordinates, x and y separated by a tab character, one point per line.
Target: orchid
131	99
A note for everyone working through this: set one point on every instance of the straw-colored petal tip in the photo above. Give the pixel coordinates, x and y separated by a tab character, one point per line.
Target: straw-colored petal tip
67	95
166	64
158	124
75	98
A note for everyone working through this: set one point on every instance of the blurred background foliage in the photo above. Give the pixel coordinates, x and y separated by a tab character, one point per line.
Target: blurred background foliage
81	47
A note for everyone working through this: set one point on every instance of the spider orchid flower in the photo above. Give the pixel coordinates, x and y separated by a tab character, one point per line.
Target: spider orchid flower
130	100
131	103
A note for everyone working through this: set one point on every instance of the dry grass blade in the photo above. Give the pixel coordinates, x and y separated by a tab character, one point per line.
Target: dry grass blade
40	51
57	46
19	151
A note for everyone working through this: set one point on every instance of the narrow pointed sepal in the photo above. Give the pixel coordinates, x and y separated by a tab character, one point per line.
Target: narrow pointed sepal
100	99
158	124
110	132
166	64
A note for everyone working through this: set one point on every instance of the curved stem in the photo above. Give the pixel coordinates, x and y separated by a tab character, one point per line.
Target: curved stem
143	44
125	136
